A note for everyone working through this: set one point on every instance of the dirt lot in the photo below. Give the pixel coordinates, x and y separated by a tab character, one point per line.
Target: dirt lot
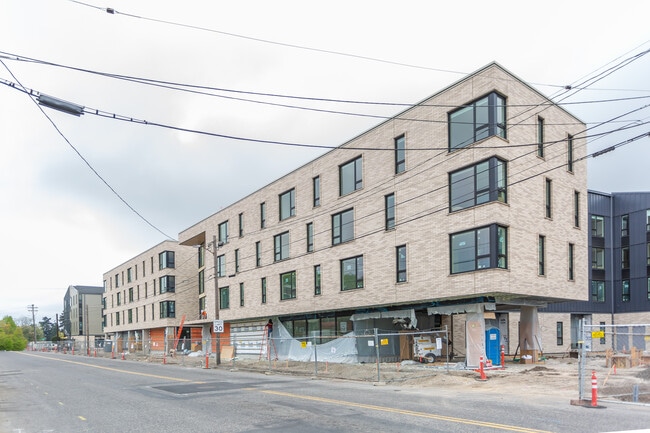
554	376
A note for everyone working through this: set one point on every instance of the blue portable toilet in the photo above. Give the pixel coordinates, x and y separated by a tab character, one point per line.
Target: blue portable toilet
493	345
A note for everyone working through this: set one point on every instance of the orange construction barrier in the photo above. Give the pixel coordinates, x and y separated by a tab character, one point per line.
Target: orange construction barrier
481	370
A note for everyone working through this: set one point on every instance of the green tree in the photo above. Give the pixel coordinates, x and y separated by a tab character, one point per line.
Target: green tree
49	328
27	326
11	336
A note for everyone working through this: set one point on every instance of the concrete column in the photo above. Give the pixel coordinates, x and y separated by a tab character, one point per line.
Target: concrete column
474	338
530	339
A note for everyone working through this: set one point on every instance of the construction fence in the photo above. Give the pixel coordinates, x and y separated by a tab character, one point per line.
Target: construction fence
628	350
372	354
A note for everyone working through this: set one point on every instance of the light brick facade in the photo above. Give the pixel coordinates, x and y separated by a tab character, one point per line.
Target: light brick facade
423	220
132	296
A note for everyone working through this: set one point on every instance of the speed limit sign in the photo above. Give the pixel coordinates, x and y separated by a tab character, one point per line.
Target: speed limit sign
218	326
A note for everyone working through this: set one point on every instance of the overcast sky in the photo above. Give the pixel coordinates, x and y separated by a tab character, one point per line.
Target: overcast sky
60	225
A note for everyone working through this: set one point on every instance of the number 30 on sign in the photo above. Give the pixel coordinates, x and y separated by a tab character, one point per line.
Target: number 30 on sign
218	326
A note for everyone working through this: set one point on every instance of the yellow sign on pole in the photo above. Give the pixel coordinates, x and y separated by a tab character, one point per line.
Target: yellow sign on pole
597	334
384	342
303	344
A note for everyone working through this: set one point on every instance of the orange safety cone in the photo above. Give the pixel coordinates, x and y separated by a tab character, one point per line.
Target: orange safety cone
482	370
594	389
206	360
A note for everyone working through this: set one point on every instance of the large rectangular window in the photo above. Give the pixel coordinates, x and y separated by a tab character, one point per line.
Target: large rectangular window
262	215
166	260
168	309
597	226
647	220
237	260
263	287
221	265
201	282
310	237
288	285
241	294
224	298
201	256
129	275
477	120
597	291
223	232
389	211
548	198
350	176
131	298
203	314
352	273
258	254
625	258
597	258
400	154
167	284
281	246
317	280
541	255
571	262
540	137
287	204
647	254
240	219
559	333
477	184
625	225
569	153
316	190
626	291
481	248
343	227
576	209
400	265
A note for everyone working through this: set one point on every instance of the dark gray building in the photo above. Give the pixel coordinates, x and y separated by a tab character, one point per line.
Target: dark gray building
619	256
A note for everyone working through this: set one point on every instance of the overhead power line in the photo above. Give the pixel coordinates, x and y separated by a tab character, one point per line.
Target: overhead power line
88	164
114	11
126	118
205	90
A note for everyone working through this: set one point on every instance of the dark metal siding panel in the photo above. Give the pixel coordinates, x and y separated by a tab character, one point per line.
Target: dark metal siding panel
577	307
634	204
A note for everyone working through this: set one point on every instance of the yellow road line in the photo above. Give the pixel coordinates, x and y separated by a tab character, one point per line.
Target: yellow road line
110	368
408	412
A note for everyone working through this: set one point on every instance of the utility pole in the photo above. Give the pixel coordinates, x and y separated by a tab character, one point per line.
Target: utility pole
33	309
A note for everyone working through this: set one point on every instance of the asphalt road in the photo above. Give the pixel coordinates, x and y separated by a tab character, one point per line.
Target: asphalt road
49	392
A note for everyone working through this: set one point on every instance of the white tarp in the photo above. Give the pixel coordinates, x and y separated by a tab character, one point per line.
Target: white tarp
341	350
